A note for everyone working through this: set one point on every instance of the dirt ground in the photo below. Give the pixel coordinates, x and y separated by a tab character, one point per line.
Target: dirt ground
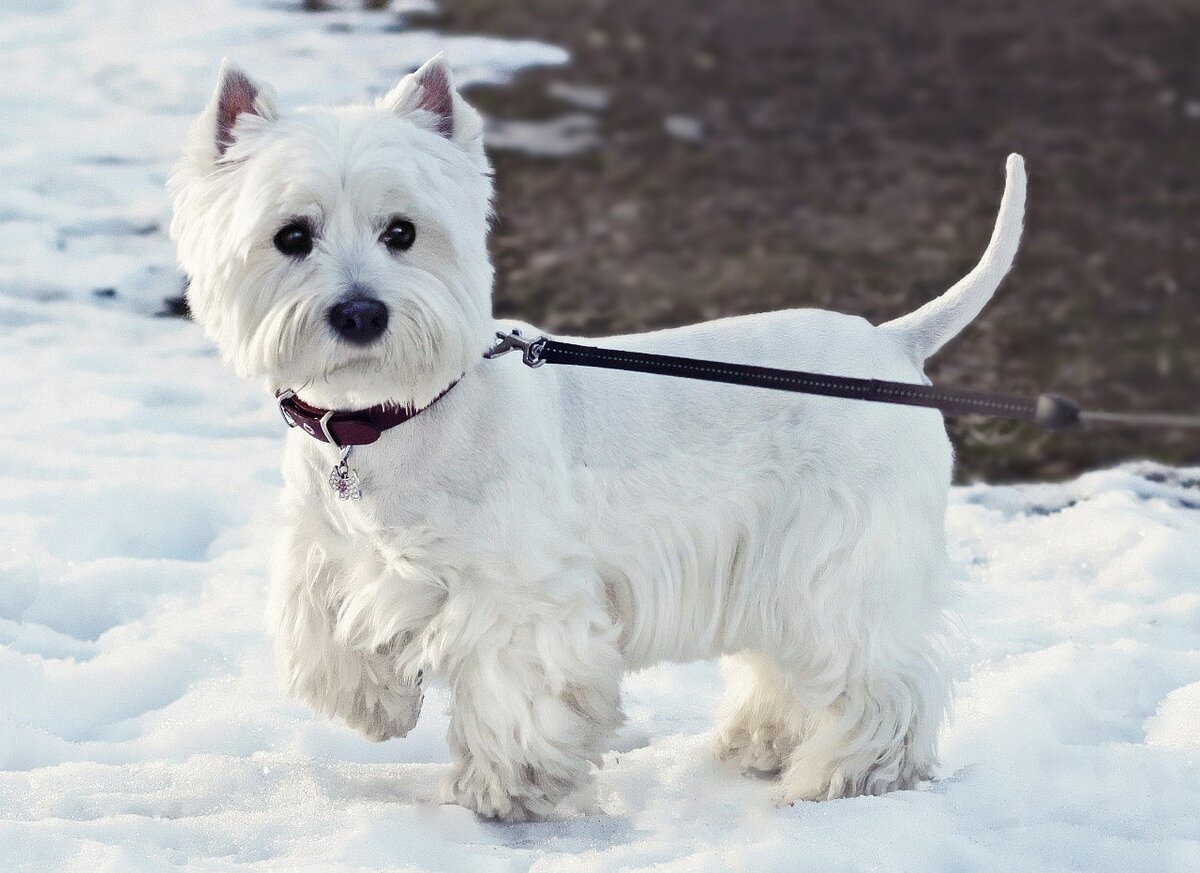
850	156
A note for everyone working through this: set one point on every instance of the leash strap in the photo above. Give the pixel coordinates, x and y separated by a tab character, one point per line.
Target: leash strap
1048	411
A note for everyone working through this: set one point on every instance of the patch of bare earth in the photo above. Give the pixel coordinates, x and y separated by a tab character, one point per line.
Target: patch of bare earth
758	154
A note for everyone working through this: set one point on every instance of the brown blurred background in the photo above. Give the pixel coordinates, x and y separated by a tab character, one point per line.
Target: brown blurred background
758	154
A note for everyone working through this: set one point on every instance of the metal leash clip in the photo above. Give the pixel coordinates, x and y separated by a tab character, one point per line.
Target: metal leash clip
531	350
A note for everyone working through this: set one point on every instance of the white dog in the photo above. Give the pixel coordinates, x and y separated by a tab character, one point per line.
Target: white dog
537	532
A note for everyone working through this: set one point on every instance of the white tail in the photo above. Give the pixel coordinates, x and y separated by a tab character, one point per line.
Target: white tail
927	329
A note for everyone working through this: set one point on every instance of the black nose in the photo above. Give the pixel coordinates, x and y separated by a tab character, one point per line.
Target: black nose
359	320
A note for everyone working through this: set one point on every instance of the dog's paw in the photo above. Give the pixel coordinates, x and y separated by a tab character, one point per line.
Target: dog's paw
801	783
763	750
526	799
391	713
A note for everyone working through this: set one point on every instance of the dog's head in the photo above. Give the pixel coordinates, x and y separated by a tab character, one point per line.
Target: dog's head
339	252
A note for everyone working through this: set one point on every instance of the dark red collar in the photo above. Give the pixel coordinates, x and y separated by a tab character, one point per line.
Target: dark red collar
356	427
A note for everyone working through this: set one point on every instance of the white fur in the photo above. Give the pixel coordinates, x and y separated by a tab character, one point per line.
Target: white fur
538	532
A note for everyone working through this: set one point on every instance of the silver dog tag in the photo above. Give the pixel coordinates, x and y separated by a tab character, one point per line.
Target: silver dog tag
343	478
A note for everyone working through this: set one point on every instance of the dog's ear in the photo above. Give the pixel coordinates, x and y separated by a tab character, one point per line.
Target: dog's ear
429	99
237	94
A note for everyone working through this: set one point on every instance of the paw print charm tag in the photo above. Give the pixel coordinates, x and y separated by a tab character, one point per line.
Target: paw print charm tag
343	478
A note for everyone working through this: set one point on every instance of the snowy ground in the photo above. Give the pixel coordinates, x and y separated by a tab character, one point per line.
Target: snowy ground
141	725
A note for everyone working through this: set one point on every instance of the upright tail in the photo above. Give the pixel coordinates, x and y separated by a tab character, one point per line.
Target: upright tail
927	329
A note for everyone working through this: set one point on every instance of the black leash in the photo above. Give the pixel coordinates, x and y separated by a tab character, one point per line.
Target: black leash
1048	411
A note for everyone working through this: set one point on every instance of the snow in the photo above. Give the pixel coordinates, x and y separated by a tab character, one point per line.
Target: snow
559	137
142	727
96	96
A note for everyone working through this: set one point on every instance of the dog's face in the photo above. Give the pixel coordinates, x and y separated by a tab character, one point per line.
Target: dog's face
339	252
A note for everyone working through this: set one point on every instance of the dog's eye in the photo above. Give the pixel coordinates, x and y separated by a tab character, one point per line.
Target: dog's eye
294	240
399	236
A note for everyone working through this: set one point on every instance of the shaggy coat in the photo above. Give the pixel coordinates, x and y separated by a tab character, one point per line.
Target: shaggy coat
536	533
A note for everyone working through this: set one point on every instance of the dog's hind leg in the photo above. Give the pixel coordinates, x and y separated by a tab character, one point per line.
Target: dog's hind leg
874	728
760	718
870	656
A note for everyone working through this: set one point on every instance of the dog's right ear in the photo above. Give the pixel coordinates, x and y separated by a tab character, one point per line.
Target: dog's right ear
237	94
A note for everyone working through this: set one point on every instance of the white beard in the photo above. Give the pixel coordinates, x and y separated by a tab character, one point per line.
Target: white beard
536	533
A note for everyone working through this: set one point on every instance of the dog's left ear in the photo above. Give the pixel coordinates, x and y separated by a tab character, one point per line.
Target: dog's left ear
429	99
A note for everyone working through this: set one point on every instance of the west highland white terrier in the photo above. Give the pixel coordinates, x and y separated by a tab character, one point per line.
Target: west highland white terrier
533	534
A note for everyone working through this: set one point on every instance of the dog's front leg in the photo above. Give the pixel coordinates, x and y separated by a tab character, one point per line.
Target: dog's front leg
359	685
535	704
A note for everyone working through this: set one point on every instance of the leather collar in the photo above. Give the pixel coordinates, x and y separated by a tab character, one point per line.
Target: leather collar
355	427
